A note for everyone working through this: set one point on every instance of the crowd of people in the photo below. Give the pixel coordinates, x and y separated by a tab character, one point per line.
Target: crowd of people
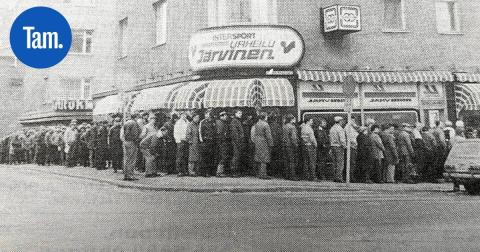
231	144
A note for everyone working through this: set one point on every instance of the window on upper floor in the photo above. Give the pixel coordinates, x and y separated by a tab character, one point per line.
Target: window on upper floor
81	41
447	16
394	15
122	43
232	12
75	89
160	8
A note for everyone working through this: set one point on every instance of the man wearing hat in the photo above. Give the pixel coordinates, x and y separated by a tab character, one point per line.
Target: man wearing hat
338	143
207	134
223	138
405	153
115	144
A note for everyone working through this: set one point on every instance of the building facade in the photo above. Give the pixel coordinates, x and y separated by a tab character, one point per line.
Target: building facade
64	92
410	60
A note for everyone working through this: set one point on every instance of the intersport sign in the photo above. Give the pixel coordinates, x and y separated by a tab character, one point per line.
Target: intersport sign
245	47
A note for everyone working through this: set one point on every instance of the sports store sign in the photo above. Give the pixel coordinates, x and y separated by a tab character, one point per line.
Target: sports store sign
245	46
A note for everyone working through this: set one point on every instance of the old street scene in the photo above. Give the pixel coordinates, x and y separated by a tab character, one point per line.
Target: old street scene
244	125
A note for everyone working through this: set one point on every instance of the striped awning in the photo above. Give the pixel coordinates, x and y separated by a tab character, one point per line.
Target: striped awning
186	96
108	105
153	98
273	92
467	97
376	76
468	77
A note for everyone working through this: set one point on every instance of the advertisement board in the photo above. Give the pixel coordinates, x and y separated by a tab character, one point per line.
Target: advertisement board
342	18
245	46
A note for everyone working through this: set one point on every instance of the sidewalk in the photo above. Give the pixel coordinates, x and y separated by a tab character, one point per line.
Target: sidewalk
236	185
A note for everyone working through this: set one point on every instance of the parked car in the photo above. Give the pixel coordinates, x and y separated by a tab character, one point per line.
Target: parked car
463	165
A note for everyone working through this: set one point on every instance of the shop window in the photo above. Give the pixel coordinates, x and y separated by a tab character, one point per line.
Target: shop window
160	8
122	43
232	12
447	16
394	15
81	41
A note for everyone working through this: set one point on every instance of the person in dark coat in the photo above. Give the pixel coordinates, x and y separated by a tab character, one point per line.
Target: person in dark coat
83	148
364	158
40	147
207	133
223	143
171	151
262	138
323	147
237	134
90	139
391	154
275	167
131	137
193	145
159	148
101	146
405	153
249	149
115	144
290	147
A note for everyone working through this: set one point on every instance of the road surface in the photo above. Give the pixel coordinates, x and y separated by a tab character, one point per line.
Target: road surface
45	212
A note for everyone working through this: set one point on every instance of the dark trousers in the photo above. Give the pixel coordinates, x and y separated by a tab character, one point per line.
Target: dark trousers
117	159
182	157
310	162
100	158
236	155
322	155
207	158
377	171
290	156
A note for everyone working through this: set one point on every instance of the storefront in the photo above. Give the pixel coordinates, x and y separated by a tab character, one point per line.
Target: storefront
60	112
386	97
467	98
237	67
106	107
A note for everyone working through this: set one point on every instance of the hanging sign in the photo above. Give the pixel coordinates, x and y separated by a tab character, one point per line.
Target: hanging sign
245	46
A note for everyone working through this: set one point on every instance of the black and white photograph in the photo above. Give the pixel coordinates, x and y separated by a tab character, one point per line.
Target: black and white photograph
239	125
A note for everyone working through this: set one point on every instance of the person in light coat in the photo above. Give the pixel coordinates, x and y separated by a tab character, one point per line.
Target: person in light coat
377	154
338	142
193	145
391	154
263	141
70	138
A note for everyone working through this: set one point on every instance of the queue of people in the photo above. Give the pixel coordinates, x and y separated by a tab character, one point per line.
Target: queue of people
233	144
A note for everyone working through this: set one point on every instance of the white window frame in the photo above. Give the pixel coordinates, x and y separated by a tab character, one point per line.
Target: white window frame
86	82
456	14
123	37
403	18
85	36
161	17
262	12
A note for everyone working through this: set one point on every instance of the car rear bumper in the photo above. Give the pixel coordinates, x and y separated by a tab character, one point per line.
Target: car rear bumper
457	175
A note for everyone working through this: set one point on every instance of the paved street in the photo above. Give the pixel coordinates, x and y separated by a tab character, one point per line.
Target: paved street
45	212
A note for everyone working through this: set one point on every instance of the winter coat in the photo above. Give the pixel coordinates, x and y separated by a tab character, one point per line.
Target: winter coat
263	141
377	146
193	142
391	154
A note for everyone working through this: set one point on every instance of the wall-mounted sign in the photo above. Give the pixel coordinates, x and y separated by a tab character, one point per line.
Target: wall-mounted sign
390	96
324	96
341	18
72	105
245	46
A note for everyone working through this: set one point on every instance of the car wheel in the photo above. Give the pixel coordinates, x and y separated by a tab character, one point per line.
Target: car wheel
472	188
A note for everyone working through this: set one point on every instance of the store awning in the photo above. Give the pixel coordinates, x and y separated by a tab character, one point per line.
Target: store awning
153	98
186	96
468	77
249	93
376	76
108	105
467	97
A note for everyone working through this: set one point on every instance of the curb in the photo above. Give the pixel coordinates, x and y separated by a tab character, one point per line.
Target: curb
235	189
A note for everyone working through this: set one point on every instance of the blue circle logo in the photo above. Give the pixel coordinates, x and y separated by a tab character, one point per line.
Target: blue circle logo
40	37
